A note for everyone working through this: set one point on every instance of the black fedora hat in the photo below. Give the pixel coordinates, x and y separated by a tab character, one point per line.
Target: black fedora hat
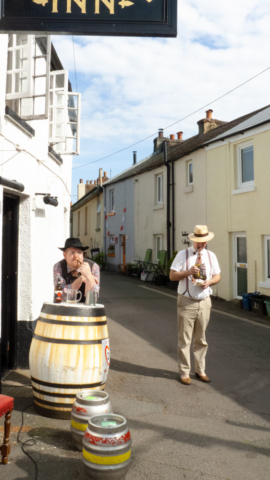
73	243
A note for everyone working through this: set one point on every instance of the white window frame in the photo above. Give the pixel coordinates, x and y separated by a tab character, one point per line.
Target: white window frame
266	259
32	77
29	46
241	147
112	200
53	107
188	172
159	189
158	237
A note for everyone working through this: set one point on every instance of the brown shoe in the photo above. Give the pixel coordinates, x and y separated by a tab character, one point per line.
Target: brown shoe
185	381
203	378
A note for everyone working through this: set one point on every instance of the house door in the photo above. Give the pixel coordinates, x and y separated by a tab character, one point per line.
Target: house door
240	264
9	281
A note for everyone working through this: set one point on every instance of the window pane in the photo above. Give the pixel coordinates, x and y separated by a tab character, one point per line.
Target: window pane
23	82
247	164
60	114
241	250
26	107
241	281
60	81
73	101
59	130
268	257
190	173
41	46
60	98
73	115
9	83
72	130
51	81
40	86
9	63
39	105
21	40
10	40
17	83
40	66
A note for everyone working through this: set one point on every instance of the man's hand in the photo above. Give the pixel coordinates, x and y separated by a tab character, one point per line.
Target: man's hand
206	284
193	270
86	272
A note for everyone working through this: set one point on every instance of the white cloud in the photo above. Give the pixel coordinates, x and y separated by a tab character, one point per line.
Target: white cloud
133	86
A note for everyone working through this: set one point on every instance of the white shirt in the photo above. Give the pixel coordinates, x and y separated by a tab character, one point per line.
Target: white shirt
179	265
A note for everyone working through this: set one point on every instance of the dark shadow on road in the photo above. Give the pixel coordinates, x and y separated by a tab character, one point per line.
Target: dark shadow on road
126	367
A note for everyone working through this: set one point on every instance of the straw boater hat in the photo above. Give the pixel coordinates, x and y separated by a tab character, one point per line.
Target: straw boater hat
201	234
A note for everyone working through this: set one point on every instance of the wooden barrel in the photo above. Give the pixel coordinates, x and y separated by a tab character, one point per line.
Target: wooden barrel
107	447
69	353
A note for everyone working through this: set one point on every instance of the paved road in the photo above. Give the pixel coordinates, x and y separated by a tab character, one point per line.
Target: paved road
205	431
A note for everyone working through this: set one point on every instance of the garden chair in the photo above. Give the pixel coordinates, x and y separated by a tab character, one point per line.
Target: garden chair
140	265
6	407
156	268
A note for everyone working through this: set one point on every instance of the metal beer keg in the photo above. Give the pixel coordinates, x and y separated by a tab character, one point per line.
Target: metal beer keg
87	404
107	447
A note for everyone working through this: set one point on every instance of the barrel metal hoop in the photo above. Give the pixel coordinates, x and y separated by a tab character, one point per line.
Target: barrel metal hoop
102	460
72	324
71	386
53	404
63	341
54	394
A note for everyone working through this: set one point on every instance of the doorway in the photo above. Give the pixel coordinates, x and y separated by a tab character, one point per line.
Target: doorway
9	281
240	264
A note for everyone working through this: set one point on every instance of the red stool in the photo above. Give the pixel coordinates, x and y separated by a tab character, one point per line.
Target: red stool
6	407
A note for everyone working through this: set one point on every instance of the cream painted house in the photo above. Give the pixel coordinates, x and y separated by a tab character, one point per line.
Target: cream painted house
87	214
238	199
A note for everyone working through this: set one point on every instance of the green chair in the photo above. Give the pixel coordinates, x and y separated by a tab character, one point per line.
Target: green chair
156	268
139	265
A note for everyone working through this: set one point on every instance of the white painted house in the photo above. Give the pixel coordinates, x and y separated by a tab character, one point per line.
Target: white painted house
39	134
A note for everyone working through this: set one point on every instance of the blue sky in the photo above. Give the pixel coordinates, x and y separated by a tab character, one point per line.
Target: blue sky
131	87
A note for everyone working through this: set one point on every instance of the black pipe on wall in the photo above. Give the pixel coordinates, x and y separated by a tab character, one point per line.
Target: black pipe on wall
173	210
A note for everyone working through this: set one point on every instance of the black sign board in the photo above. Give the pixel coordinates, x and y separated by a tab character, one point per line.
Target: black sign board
152	18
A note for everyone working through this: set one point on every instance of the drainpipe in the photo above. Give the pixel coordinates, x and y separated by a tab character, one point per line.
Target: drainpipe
105	213
168	223
173	210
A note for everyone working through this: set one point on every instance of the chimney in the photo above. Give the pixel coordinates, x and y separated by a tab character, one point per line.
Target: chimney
105	178
100	177
134	158
209	123
87	182
80	189
172	137
159	140
95	183
180	135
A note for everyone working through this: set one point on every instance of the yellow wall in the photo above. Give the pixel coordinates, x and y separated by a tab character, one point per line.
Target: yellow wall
244	212
88	234
150	219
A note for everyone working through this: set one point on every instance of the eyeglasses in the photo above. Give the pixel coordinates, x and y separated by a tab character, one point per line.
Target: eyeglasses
73	252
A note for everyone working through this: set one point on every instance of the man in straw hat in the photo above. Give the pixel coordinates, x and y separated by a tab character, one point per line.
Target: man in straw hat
75	271
197	270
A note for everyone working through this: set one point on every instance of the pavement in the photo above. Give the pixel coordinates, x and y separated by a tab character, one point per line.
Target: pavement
210	431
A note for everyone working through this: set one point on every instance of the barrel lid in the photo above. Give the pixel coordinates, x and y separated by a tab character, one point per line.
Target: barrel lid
92	397
73	310
110	423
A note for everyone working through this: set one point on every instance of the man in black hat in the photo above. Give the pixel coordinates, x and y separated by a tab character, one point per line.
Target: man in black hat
75	271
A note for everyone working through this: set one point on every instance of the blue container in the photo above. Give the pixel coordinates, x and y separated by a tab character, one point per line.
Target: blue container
246	300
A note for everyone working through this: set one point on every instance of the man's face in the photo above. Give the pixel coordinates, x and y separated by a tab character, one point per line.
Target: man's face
199	246
73	257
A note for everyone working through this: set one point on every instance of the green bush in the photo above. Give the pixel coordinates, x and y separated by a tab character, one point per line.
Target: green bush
100	259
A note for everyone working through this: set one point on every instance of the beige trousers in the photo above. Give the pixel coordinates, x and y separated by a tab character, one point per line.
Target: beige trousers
193	318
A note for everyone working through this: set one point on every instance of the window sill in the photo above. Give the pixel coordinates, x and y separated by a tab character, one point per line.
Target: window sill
188	189
264	284
22	124
158	206
251	188
111	214
110	255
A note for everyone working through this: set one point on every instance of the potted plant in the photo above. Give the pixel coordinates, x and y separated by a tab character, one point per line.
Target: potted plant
100	260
